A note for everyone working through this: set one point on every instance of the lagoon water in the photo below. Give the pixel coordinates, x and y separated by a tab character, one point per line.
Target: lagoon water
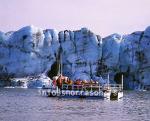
28	105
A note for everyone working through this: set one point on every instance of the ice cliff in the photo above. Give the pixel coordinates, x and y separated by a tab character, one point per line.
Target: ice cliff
31	51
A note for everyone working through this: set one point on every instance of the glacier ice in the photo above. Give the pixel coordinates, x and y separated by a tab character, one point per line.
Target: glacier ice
32	51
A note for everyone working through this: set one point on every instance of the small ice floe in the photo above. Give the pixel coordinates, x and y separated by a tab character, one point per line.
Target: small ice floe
18	83
39	82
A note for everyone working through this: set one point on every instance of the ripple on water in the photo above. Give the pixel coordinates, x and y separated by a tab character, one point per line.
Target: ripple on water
28	105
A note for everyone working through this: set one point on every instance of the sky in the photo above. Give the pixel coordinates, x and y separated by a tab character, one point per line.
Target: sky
103	17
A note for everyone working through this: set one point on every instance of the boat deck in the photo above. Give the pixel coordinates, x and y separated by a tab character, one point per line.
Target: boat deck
85	90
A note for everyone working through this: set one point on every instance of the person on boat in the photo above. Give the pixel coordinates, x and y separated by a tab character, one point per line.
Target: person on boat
78	82
92	82
65	81
54	82
61	80
96	82
70	82
84	82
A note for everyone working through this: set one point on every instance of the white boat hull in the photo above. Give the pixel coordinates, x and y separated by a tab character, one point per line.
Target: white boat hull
120	95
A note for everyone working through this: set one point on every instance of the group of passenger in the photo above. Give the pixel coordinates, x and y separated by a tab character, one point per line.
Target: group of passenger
59	80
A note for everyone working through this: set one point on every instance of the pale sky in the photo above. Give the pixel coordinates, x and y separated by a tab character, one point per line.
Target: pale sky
103	17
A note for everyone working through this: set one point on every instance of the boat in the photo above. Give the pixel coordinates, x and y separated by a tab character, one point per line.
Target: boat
83	89
62	86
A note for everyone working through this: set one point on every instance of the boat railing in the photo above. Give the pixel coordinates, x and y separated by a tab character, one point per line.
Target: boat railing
117	87
82	87
92	87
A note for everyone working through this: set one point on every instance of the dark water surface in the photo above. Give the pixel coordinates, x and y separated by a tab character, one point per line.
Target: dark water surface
28	105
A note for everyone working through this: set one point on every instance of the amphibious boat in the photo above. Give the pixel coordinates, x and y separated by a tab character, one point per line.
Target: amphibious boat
64	87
